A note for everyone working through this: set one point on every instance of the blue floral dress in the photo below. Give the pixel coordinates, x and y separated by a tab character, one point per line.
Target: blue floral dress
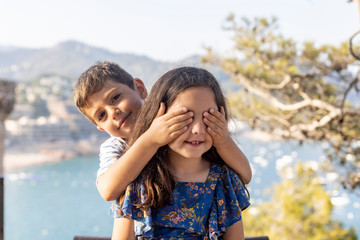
198	210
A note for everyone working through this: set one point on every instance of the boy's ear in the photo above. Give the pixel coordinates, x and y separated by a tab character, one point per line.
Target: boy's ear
101	129
140	88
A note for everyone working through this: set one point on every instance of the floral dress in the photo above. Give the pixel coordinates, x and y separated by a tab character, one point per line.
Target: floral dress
198	210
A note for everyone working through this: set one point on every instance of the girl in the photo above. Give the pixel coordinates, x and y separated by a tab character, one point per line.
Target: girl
185	191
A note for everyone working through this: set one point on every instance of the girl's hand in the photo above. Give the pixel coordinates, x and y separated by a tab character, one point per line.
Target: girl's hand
217	126
168	126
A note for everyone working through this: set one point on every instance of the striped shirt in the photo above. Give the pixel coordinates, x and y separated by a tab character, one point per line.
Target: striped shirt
110	151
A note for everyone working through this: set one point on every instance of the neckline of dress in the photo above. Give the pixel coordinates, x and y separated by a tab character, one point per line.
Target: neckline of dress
208	178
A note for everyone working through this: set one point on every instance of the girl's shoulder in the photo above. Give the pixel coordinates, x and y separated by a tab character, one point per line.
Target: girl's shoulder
223	171
229	185
230	198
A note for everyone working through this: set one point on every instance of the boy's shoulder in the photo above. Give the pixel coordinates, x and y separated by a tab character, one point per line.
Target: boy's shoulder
114	142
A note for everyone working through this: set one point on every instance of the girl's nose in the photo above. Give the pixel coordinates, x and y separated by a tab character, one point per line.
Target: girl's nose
198	127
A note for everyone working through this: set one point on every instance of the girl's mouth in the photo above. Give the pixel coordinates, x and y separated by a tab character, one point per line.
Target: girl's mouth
195	143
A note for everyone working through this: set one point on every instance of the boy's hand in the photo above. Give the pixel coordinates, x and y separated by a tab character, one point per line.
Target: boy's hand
217	126
167	127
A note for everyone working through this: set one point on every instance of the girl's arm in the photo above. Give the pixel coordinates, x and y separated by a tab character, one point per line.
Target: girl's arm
225	145
164	128
123	229
235	232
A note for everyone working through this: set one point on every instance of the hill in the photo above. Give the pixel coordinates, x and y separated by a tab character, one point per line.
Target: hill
69	59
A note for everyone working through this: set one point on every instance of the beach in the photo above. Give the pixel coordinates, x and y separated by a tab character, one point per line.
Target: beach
17	157
27	155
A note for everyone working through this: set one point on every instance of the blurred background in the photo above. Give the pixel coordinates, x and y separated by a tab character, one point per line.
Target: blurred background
290	71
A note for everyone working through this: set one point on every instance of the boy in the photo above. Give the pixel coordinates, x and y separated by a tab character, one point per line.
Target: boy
111	98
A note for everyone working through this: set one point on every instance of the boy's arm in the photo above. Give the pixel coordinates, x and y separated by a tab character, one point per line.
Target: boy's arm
113	182
225	145
164	128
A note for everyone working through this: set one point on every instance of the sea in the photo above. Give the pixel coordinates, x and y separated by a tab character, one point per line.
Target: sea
58	201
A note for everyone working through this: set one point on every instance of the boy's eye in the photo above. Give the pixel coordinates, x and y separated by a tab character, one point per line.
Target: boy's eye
101	116
115	98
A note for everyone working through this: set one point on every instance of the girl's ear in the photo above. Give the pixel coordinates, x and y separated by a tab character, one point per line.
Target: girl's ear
140	88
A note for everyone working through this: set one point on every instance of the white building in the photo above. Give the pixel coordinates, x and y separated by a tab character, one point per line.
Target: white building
38	130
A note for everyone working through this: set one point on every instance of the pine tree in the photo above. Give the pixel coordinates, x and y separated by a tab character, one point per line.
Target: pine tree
307	93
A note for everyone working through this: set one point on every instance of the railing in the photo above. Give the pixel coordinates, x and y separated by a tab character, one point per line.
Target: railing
109	238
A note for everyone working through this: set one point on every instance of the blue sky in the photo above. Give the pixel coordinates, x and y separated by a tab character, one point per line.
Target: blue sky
166	29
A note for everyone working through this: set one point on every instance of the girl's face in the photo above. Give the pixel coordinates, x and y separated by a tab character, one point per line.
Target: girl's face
196	140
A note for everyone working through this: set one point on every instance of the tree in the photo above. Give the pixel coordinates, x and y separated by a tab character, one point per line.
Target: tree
299	208
306	93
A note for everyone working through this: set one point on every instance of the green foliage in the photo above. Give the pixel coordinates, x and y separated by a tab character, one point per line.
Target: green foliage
299	208
295	91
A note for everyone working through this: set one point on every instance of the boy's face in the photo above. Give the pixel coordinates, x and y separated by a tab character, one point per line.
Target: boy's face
115	106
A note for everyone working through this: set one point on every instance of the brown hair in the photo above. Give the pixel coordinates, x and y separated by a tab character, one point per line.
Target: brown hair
93	79
158	184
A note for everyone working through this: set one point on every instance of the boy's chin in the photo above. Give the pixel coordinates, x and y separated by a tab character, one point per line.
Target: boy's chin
123	134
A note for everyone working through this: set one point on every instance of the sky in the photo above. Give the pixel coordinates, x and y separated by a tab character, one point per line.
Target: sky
167	30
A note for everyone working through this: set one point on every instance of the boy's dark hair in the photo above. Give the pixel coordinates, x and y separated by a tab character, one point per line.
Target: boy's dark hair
93	80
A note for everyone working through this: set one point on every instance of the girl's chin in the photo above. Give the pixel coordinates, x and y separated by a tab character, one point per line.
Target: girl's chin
191	156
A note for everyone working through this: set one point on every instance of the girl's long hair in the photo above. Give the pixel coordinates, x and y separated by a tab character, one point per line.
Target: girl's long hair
156	181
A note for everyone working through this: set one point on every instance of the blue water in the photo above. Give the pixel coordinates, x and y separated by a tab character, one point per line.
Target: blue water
55	201
58	201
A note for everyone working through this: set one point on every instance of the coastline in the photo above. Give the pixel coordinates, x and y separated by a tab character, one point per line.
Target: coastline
28	155
18	157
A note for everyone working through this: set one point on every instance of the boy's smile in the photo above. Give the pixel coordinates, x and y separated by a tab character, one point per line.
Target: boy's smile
115	106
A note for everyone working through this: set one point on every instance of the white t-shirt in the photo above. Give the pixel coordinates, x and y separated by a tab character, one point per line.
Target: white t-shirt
110	151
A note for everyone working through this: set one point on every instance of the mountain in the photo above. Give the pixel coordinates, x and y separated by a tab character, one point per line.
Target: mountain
70	59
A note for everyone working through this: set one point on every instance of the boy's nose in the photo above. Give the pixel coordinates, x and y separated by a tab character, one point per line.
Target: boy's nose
115	113
198	127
